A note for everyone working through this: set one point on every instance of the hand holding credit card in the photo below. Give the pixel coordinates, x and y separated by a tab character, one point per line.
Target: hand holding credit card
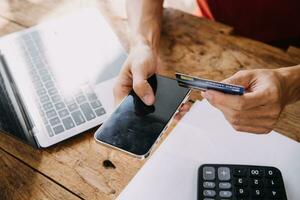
204	84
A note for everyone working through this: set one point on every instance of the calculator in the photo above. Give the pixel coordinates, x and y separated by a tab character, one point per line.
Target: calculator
240	182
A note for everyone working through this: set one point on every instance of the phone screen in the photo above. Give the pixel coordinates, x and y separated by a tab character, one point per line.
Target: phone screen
134	127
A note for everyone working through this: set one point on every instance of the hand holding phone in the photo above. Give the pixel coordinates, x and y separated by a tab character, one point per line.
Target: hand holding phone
135	127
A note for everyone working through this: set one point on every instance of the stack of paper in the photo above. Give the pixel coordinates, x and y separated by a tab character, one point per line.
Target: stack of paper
204	136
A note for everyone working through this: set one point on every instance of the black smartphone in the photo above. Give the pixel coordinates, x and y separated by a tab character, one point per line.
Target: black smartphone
135	127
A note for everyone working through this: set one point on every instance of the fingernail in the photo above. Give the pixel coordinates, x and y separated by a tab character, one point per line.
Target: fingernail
147	99
207	95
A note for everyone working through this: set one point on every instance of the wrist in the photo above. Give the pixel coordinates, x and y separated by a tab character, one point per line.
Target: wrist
140	41
290	77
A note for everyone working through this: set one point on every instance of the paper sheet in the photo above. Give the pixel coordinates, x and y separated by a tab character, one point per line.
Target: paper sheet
204	136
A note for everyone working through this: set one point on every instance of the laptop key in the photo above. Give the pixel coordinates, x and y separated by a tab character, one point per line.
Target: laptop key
72	107
68	123
50	132
60	105
78	117
52	91
58	129
49	84
50	114
44	99
80	99
54	121
100	112
47	106
63	113
41	91
95	104
92	96
87	111
56	98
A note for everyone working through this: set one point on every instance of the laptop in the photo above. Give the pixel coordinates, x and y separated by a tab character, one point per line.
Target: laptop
56	78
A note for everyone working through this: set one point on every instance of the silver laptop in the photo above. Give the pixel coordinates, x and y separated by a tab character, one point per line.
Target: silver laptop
56	78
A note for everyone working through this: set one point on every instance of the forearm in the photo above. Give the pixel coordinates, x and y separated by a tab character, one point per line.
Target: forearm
144	18
291	76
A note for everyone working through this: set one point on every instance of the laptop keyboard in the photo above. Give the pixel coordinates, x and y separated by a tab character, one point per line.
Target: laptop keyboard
59	113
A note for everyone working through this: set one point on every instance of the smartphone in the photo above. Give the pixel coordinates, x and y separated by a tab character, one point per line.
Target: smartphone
134	127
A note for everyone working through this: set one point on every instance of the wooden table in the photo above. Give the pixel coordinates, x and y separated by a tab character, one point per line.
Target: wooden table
74	169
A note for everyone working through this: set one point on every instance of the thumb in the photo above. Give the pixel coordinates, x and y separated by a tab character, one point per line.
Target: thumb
242	78
141	87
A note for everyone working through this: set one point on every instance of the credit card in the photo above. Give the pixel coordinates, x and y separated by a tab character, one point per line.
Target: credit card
204	84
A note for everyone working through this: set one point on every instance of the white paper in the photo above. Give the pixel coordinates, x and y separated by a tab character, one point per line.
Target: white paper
204	136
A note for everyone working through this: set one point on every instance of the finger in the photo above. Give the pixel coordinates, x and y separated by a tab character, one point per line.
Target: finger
242	78
236	102
142	88
120	92
250	129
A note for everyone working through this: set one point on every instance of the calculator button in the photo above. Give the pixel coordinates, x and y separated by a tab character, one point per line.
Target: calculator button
209	173
209	193
241	192
271	173
209	185
272	183
239	172
208	199
273	193
224	173
256	183
257	193
240	181
224	185
255	173
225	194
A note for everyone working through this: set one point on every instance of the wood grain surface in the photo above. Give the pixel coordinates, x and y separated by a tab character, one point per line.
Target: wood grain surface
19	182
188	44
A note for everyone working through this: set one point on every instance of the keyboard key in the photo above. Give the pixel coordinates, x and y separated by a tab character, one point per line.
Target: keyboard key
209	173
224	173
80	99
240	172
72	107
209	193
50	132
225	194
59	105
43	72
78	117
44	99
100	112
50	114
68	123
272	183
257	193
95	104
256	183
255	173
224	185
47	106
58	129
52	91
63	113
49	84
54	121
273	193
240	181
271	173
46	78
56	98
41	91
241	192
209	185
87	111
92	96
